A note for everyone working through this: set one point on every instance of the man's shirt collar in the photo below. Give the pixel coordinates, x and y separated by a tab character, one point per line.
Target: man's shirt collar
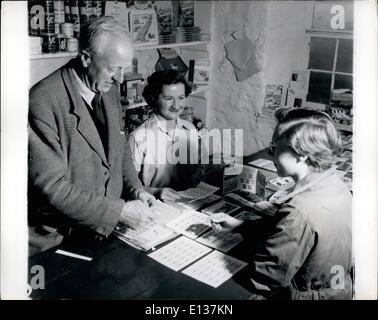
86	93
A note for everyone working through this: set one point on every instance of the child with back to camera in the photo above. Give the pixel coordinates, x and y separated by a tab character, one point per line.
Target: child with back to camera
305	250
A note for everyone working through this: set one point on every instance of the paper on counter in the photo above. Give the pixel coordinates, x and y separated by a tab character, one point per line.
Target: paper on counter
179	253
242	201
198	203
222	241
221	207
145	237
165	212
190	223
202	191
215	268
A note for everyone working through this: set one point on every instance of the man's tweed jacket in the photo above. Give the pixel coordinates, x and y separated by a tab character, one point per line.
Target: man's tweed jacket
72	182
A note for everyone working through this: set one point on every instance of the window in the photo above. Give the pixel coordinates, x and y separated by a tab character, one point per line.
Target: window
331	51
331	67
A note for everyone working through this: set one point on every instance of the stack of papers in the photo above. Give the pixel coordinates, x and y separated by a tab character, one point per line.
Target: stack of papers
145	237
148	236
172	219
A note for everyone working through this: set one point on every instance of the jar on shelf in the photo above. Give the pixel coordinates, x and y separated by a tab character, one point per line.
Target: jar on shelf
49	43
67	29
72	45
62	42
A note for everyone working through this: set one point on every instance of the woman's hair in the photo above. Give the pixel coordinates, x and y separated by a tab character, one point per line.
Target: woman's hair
106	26
157	80
309	133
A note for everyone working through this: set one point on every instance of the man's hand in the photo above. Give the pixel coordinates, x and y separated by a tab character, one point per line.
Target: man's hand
144	196
135	213
222	222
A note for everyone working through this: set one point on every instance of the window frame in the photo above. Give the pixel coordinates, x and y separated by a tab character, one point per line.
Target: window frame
338	35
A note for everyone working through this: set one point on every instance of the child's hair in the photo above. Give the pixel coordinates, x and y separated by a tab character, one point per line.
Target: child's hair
285	113
309	133
157	80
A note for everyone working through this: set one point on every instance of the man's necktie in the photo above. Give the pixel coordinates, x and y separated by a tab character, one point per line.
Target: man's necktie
99	119
98	110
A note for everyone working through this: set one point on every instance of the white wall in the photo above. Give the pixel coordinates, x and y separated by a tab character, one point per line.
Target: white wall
286	46
281	47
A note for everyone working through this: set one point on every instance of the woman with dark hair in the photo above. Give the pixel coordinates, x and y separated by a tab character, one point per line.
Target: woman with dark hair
165	147
305	250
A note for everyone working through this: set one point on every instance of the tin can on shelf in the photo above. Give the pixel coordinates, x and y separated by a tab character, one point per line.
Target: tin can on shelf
72	45
67	29
62	42
59	11
49	43
57	28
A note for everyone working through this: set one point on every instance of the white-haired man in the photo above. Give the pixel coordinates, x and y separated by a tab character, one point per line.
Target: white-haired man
79	166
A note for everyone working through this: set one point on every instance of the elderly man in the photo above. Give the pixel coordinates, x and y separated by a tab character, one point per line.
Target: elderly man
79	165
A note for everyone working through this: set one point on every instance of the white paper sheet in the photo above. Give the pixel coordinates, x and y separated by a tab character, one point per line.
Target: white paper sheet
179	253
215	268
190	223
165	212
